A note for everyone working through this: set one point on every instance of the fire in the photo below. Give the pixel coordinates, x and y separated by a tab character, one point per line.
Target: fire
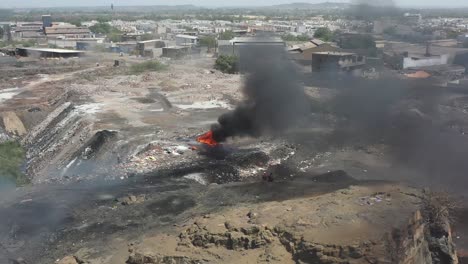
208	139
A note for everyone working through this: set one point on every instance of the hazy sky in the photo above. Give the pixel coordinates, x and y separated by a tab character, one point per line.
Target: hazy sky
51	3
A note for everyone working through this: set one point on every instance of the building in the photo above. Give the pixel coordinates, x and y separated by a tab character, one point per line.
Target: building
336	61
413	18
417	61
48	53
75	43
147	45
186	40
175	52
67	32
402	55
302	53
46	21
232	47
28	30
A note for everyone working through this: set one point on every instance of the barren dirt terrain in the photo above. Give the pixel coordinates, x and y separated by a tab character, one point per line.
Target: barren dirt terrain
117	176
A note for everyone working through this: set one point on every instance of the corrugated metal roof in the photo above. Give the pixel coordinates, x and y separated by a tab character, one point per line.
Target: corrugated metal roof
66	30
317	42
52	50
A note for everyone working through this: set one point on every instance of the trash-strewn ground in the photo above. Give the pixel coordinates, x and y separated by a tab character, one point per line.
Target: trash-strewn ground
114	162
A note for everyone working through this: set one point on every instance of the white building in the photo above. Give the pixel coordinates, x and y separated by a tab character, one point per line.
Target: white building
186	40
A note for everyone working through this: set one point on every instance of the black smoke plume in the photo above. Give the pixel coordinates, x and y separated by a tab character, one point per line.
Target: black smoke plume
274	99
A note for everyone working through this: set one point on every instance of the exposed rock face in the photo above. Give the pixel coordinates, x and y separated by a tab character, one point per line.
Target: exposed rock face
48	142
361	224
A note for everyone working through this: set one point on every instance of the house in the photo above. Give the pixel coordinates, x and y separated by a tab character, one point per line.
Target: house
145	46
232	47
336	61
302	53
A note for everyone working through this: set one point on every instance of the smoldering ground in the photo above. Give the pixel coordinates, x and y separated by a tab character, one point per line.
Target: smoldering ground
417	120
274	99
423	125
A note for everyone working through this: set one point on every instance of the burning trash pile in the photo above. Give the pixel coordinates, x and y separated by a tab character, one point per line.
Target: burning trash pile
274	100
208	139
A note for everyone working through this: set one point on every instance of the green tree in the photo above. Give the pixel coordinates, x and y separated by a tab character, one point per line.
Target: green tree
227	64
390	31
2	31
101	28
227	35
324	34
147	37
208	41
114	37
76	22
451	34
151	65
113	34
357	41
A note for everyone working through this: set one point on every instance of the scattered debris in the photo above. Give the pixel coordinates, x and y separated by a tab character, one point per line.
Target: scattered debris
132	199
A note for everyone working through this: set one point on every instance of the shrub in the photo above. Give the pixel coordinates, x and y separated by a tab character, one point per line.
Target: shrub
324	34
11	159
227	64
147	66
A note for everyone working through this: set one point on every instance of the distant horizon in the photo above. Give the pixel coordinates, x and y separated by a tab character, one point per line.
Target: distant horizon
26	4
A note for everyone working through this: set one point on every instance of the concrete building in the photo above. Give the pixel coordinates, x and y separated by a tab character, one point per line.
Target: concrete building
336	61
302	53
231	47
28	30
143	47
75	43
67	32
425	61
46	21
402	55
175	52
48	53
186	40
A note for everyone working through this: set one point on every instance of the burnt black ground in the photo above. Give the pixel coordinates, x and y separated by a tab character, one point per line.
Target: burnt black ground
43	223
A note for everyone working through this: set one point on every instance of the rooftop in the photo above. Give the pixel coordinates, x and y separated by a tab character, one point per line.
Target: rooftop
149	41
176	47
66	30
334	53
63	51
186	36
256	40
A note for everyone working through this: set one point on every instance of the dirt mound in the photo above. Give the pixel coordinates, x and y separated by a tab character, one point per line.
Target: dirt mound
371	223
13	124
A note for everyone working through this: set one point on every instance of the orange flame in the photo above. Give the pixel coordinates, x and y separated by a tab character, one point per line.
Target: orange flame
208	139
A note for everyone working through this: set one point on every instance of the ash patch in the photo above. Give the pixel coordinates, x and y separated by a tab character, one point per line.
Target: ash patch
172	205
144	100
96	144
219	173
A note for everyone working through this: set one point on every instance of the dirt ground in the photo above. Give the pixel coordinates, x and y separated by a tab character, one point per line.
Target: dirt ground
97	134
